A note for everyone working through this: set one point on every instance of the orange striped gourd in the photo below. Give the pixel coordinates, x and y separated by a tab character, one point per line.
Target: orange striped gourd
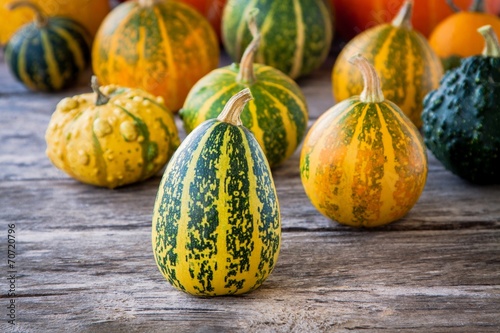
363	162
407	66
162	47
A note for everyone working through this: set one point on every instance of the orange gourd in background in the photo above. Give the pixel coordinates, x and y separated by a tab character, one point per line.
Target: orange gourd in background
163	47
456	37
89	13
355	16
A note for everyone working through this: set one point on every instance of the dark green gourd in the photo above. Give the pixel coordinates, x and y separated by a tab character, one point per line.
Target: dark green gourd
49	54
462	117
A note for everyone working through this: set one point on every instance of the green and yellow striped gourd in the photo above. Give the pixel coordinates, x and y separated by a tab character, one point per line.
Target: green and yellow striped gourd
48	54
162	47
216	221
277	115
296	35
408	66
112	137
363	162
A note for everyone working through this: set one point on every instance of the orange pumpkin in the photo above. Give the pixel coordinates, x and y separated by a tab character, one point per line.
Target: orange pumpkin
355	16
456	37
89	13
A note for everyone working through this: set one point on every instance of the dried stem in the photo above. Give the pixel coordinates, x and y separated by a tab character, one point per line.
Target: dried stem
492	47
403	18
41	19
372	92
246	74
147	3
101	98
453	7
233	108
478	6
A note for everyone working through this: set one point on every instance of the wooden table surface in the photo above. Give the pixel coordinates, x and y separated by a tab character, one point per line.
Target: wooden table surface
84	261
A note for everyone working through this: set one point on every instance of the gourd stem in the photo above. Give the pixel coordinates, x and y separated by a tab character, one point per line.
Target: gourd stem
233	108
453	7
101	98
403	18
478	6
246	74
41	19
492	48
147	3
372	91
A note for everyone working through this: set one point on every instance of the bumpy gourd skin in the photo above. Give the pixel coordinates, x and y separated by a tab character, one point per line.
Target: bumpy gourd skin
126	140
462	120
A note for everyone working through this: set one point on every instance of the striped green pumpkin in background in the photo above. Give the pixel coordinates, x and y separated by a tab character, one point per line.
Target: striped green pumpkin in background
296	34
216	222
277	116
408	67
48	54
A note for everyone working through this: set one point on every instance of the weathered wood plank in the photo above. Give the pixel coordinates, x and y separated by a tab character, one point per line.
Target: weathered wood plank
446	203
76	237
106	280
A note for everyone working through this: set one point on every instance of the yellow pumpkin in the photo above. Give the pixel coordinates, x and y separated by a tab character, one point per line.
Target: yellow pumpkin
163	47
112	137
408	67
88	13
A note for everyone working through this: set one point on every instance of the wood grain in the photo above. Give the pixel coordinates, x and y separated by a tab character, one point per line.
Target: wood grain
85	261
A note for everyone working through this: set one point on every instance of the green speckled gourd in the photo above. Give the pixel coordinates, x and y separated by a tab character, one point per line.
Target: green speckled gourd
462	117
296	34
216	222
49	54
277	116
